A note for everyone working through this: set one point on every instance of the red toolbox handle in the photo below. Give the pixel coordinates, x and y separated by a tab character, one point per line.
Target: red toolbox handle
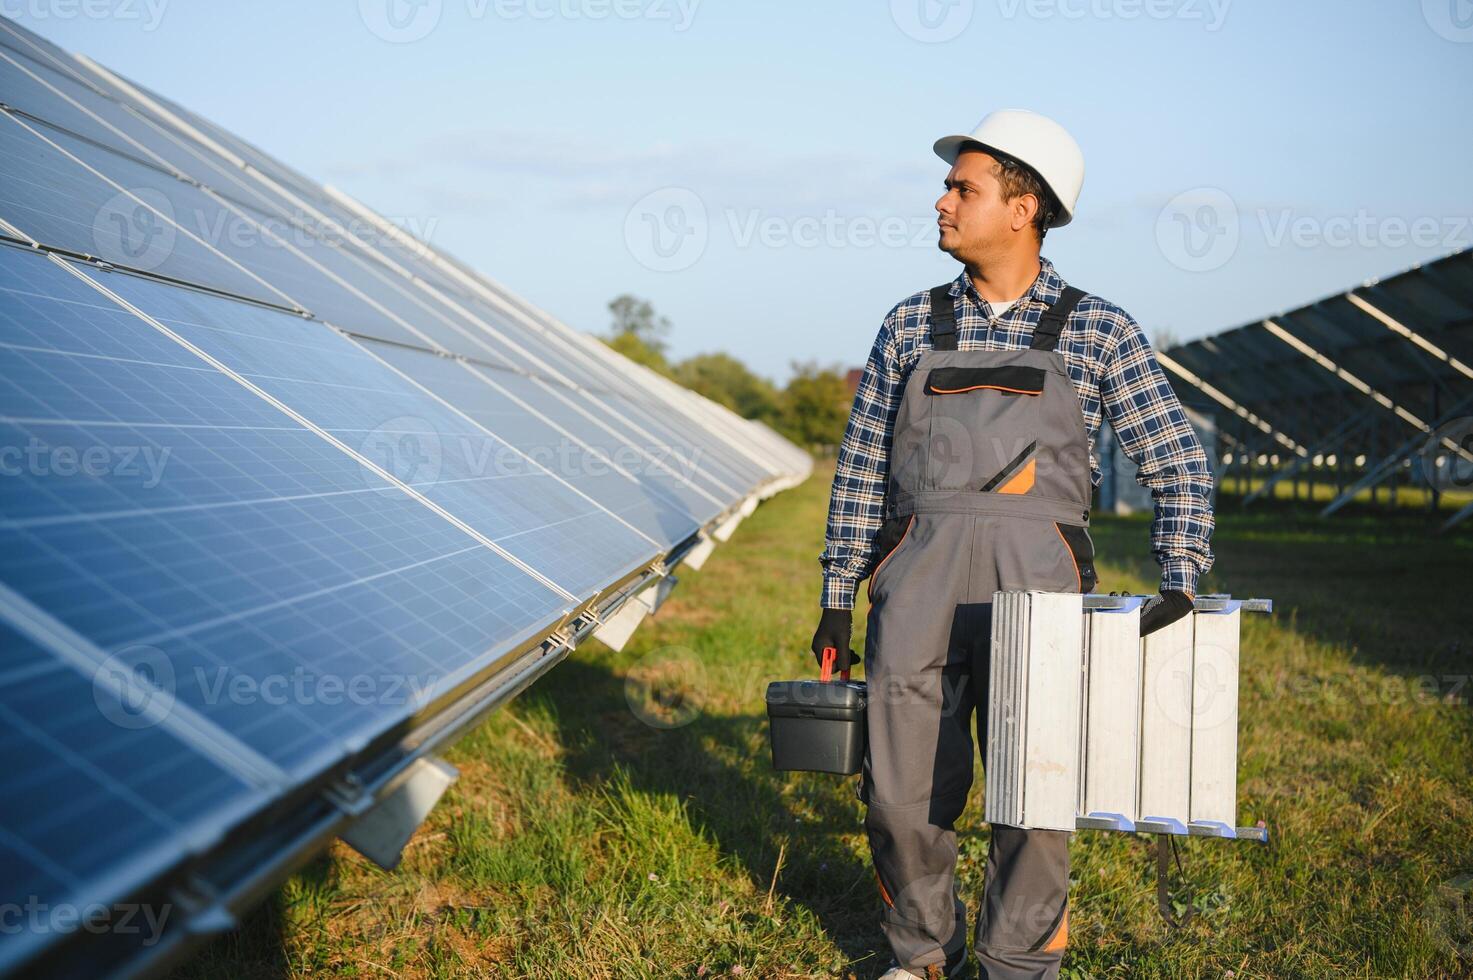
826	670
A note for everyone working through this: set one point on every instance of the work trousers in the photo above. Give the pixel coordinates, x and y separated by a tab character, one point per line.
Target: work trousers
926	667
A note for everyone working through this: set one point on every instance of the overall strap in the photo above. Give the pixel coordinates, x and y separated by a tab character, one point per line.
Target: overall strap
1046	334
943	318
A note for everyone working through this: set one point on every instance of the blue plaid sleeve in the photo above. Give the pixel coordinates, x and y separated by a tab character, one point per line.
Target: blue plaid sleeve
1155	433
857	500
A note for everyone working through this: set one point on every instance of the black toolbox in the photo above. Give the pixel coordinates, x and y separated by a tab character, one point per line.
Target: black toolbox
817	726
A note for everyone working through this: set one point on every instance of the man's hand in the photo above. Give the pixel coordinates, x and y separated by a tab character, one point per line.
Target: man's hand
833	631
1163	610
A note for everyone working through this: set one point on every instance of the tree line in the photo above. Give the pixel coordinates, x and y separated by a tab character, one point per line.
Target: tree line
810	410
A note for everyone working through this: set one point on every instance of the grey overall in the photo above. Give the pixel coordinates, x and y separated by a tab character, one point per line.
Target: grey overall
989	489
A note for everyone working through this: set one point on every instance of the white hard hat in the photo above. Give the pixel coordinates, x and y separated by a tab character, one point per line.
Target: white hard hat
1037	141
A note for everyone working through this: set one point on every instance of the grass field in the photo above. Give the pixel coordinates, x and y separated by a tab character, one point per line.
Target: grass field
1308	490
583	840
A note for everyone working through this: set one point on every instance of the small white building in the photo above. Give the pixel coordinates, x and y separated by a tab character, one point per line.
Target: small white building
1119	491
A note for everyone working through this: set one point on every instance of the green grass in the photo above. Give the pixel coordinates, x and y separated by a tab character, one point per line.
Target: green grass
1312	486
582	841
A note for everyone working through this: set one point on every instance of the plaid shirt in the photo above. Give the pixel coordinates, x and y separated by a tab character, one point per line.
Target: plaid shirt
1113	369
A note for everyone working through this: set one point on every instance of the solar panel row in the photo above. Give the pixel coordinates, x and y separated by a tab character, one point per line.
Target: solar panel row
275	493
1354	373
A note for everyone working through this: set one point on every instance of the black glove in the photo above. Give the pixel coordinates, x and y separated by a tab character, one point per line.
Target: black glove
833	631
1163	610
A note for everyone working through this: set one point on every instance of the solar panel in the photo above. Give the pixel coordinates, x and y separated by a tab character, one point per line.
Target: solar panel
42	90
244	542
98	781
247	209
35	88
650	501
574	411
278	513
340	387
17	38
384	310
142	218
51	197
82	110
590	384
1387	352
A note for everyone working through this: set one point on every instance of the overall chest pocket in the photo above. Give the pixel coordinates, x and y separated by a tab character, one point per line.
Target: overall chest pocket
1010	380
981	420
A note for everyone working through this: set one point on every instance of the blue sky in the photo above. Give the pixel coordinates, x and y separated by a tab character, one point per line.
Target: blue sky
762	172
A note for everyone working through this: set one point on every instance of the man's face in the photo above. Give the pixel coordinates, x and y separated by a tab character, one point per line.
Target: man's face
973	218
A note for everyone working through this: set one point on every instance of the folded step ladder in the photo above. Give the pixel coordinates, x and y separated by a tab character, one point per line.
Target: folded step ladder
1092	727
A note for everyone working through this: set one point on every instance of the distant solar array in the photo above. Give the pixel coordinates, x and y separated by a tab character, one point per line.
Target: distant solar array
1371	383
288	499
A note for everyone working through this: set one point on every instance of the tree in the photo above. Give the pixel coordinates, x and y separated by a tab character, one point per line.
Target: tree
815	405
638	332
632	347
722	378
812	410
636	317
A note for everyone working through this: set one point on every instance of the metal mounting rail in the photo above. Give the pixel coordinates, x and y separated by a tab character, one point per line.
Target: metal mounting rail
1216	602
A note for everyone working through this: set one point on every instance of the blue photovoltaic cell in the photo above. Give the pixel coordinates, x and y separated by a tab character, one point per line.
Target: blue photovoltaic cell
253	550
597	426
119	232
634	419
660	427
63	735
338	385
32	86
491	336
697	453
90	783
57	202
628	486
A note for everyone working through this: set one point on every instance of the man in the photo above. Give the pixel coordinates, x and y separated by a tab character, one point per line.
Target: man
966	468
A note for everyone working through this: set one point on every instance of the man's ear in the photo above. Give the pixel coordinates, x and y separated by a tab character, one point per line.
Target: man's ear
1025	208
